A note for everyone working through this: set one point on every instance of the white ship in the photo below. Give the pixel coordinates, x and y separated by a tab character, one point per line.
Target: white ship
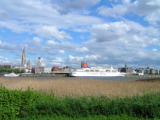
96	72
11	75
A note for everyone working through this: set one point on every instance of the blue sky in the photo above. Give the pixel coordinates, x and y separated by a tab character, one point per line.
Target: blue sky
66	32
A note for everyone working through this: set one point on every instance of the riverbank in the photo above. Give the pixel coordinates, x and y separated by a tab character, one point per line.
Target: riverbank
43	75
143	76
71	86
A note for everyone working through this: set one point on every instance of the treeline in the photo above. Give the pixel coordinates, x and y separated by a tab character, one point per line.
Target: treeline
4	70
18	104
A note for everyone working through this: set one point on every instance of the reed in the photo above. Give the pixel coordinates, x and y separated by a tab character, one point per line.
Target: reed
74	87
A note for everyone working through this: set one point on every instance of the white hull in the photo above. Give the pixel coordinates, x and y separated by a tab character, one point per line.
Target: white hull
11	75
96	74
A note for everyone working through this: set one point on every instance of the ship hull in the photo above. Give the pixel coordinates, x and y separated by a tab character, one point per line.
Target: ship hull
96	74
11	75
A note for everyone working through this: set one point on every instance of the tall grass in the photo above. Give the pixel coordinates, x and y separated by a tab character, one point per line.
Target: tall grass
30	104
83	86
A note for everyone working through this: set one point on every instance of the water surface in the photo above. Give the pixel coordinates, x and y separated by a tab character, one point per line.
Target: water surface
96	78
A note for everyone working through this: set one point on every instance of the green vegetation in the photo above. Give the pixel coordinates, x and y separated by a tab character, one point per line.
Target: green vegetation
10	70
18	104
99	117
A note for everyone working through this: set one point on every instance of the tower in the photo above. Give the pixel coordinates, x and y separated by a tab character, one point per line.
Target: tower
126	65
29	65
23	57
39	62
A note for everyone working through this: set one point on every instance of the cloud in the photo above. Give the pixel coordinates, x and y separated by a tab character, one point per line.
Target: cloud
48	31
68	5
109	32
9	47
125	33
36	41
116	11
126	1
75	58
3	14
61	51
43	16
150	11
81	4
154	50
82	50
52	43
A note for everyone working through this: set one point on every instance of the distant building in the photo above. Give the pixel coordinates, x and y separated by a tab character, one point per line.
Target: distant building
35	70
20	67
45	69
23	66
148	70
55	68
61	69
68	68
23	57
6	66
156	71
153	71
39	62
64	69
29	65
125	69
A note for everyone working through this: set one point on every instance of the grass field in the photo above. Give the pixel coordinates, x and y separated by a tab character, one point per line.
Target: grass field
83	86
79	98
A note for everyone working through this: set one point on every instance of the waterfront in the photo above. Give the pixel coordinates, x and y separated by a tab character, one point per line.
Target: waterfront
95	78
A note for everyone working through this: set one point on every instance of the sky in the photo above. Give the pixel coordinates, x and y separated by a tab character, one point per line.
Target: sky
66	32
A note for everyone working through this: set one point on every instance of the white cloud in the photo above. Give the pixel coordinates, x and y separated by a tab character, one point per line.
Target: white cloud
116	11
62	51
150	11
126	1
1	57
36	40
51	42
154	50
48	31
75	59
109	32
81	50
71	57
58	59
30	16
151	3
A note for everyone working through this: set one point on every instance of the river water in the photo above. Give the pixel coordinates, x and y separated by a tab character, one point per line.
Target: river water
95	78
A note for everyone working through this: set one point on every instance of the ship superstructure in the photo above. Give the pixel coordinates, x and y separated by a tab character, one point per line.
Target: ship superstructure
96	72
